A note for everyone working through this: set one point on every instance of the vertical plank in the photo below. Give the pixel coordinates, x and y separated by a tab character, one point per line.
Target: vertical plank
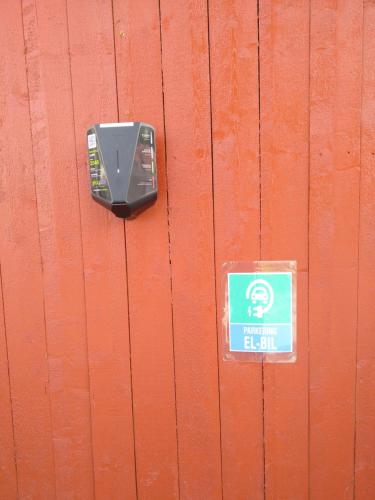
48	72
95	100
365	407
335	100
140	99
187	121
235	133
21	270
8	472
284	105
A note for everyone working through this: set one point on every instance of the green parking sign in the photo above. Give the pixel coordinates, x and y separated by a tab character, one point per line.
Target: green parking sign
260	308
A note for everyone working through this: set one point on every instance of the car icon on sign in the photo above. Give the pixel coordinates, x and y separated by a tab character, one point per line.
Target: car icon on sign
259	294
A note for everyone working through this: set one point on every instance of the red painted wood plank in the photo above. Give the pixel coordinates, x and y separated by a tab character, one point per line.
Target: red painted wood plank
235	133
50	101
21	270
95	100
336	63
8	472
140	99
365	408
284	105
187	119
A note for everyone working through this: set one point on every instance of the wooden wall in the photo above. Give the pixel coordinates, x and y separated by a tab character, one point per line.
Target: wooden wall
111	379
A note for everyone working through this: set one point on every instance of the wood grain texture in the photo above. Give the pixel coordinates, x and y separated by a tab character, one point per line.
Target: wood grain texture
235	135
112	383
365	408
95	100
284	139
335	106
51	117
8	471
21	270
137	35
187	124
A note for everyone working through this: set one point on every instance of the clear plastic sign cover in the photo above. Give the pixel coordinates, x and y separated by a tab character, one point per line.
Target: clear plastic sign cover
259	316
99	180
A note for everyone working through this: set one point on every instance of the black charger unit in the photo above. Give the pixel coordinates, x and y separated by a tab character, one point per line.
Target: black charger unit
122	166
